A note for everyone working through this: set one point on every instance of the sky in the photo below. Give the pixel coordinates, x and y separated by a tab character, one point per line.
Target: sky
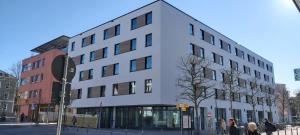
271	28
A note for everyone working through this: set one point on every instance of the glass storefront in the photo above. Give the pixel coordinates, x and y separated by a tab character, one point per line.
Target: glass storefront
148	117
140	117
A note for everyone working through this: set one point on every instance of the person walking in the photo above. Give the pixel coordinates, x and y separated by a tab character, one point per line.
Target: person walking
74	120
22	117
252	129
223	126
269	127
233	130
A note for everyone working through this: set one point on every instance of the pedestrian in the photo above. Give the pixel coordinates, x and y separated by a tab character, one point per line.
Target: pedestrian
74	120
223	126
22	117
233	130
269	127
252	129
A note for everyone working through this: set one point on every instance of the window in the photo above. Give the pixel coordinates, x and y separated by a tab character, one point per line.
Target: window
261	64
92	56
117	49
73	46
93	39
148	62
247	70
110	70
220	94
132	65
82	59
201	34
239	53
251	59
116	69
214	74
148	85
191	29
83	42
111	32
196	50
218	59
79	92
149	18
148	40
115	89
134	23
102	91
104	52
212	39
234	65
133	44
117	30
257	74
225	46
132	87
90	74
266	78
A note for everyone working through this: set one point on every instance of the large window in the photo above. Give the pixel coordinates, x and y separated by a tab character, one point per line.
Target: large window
148	40
141	21
196	50
148	85
141	64
111	32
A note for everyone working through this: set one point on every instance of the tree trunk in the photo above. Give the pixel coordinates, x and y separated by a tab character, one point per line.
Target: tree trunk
197	129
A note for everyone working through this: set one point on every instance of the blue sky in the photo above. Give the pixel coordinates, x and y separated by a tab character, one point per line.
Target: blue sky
270	28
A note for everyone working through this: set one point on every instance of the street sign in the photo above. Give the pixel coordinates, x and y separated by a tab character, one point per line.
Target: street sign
297	74
184	107
58	65
209	114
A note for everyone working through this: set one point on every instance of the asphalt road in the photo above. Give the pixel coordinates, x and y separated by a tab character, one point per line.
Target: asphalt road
51	130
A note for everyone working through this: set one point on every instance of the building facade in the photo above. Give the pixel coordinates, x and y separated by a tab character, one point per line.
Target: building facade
7	93
37	80
128	67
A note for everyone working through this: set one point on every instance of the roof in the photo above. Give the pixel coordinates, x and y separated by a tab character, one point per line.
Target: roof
57	43
5	74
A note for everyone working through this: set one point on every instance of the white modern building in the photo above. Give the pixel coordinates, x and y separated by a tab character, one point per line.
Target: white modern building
128	66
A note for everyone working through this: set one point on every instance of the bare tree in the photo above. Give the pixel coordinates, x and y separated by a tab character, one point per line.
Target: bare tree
282	100
16	70
270	98
231	78
195	80
254	96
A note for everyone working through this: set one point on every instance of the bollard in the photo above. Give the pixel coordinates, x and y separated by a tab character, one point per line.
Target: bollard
142	131
277	131
291	130
297	130
111	132
161	131
285	131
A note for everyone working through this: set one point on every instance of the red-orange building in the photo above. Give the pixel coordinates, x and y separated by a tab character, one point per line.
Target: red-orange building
36	78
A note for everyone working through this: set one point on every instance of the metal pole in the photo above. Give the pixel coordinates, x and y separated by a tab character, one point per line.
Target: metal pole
181	122
62	100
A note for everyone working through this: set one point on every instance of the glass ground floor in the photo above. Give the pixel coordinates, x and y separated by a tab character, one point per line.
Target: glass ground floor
137	117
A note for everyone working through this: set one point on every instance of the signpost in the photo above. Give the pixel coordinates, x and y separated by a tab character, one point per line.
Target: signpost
63	70
297	74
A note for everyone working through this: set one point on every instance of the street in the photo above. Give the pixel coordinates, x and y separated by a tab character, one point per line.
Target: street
28	129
